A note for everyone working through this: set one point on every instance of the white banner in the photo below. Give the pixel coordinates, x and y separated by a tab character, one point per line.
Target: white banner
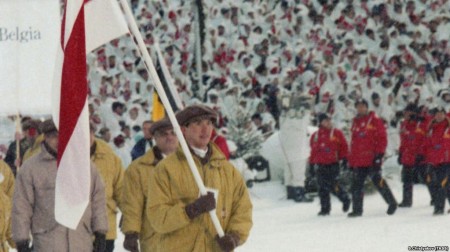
29	38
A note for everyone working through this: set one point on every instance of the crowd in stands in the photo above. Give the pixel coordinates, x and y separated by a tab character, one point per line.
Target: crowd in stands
389	52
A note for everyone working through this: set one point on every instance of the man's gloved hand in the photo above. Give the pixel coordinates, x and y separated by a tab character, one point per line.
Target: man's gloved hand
228	242
378	160
419	159
203	204
23	246
99	242
131	242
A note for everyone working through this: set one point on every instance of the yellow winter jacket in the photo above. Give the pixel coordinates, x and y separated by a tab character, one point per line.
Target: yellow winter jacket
172	187
6	193
7	183
112	172
135	197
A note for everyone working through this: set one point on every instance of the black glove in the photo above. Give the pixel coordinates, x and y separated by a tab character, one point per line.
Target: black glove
419	159
344	164
378	160
399	158
23	246
203	204
228	242
99	242
131	242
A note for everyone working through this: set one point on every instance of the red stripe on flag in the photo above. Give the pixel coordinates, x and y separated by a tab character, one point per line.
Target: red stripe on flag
73	83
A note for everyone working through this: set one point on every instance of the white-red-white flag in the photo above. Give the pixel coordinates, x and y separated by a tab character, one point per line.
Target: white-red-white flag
86	25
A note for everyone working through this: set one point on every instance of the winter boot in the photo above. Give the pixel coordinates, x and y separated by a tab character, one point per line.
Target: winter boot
343	197
323	213
300	196
290	192
357	198
407	196
391	209
354	214
439	202
389	198
346	205
438	211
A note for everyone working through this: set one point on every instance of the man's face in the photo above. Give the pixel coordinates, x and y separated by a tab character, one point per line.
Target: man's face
376	101
198	133
166	140
440	116
119	110
326	123
361	109
146	130
52	140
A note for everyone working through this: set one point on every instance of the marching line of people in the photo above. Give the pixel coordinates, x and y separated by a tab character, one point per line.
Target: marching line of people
161	207
423	154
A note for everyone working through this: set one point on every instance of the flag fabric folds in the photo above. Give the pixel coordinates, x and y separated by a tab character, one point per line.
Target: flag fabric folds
72	191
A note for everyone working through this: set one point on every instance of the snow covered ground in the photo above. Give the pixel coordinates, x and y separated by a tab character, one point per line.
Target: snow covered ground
281	225
284	226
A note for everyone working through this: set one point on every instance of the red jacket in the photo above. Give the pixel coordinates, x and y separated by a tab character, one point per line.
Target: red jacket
369	138
437	146
412	140
328	146
221	142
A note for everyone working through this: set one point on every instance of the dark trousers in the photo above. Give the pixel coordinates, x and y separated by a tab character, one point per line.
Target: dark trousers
408	175
421	174
327	181
439	185
109	245
359	177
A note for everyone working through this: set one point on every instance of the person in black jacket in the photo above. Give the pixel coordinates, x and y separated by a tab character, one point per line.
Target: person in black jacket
145	143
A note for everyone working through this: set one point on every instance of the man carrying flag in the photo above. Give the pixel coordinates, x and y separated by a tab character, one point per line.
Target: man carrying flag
176	211
34	201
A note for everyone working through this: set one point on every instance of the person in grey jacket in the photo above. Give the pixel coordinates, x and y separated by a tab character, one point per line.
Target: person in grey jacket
34	206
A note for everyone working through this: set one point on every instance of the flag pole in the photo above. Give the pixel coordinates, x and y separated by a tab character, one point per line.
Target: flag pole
168	77
198	49
157	84
18	131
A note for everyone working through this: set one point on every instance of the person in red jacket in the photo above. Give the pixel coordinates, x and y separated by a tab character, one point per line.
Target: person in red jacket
328	148
437	149
367	147
221	142
411	151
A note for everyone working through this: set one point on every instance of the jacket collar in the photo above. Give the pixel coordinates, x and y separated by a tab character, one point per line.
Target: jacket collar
151	157
45	154
101	148
214	155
